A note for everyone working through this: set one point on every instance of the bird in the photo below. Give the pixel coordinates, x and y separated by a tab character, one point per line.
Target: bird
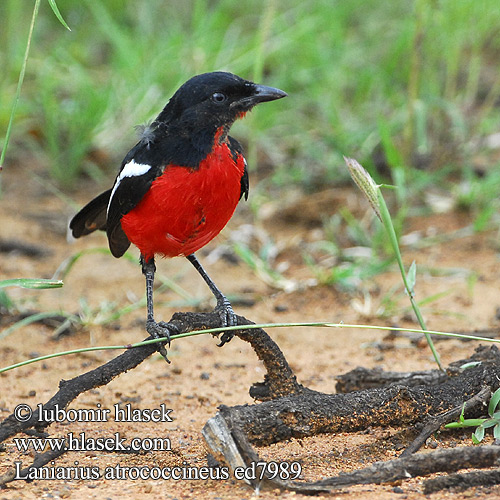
177	188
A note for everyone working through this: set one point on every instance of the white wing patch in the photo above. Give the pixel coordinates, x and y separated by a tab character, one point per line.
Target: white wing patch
131	169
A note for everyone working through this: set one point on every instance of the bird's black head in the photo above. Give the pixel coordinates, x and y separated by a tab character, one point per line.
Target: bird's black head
202	109
213	100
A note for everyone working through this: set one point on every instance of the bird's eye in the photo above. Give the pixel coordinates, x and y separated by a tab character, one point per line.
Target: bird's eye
218	97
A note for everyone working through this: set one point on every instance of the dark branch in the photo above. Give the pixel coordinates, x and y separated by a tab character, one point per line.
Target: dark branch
291	410
462	481
302	415
435	422
279	379
363	378
419	465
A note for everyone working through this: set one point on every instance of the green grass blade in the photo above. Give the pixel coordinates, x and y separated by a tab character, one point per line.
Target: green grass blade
33	283
496	431
19	86
55	10
389	226
67	264
478	436
193	333
27	321
489	423
374	195
468	422
412	276
495	399
59	354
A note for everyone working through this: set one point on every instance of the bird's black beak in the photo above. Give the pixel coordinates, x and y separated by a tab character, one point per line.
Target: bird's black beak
263	94
260	93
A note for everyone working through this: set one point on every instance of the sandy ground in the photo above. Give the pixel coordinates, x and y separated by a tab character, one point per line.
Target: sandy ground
202	376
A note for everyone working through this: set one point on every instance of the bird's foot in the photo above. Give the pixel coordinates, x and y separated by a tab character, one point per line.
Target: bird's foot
161	330
227	317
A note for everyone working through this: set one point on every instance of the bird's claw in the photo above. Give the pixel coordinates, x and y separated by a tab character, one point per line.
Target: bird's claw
159	331
228	318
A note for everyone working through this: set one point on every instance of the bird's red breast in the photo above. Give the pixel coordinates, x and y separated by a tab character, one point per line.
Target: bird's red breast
185	208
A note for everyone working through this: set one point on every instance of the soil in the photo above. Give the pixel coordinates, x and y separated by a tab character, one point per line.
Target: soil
462	274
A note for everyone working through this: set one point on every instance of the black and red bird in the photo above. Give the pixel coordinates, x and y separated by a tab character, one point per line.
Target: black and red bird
180	184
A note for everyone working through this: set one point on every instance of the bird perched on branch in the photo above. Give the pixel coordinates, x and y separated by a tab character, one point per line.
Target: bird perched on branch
179	185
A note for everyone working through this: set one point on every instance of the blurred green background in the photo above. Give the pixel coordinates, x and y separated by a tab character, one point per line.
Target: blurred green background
398	85
410	88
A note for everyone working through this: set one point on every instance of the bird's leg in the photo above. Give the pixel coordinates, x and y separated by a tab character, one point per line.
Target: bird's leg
223	307
156	330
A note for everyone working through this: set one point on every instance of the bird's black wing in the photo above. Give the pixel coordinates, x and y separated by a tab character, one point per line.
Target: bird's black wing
237	150
91	217
106	210
132	183
245	183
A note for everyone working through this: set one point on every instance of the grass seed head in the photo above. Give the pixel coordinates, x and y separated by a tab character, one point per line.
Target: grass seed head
365	182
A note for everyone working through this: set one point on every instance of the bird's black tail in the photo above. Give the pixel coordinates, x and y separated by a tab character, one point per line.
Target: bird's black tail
91	217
